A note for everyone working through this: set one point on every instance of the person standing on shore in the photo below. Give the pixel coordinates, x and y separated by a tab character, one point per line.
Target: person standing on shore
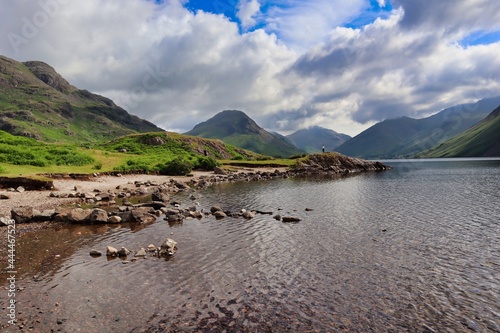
323	148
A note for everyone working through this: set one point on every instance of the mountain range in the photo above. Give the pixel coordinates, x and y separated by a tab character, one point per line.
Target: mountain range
312	139
405	137
481	140
37	102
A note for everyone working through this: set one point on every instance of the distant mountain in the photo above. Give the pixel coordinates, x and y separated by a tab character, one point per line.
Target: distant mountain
482	140
313	138
406	137
37	102
236	128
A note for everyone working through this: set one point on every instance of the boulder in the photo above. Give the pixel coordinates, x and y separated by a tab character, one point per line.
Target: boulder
158	196
143	215
45	215
24	214
111	251
151	248
79	215
4	197
114	219
168	247
99	216
219	171
20	189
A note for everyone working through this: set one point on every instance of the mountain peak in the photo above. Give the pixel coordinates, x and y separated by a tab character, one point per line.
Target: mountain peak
238	129
48	75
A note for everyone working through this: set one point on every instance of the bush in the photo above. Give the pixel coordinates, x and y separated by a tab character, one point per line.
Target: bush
206	163
2	170
98	165
237	158
177	167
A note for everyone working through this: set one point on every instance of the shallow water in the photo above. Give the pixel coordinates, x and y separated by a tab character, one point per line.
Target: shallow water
414	249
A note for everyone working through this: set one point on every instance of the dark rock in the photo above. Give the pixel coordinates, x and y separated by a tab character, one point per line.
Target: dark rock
4	197
289	219
158	196
123	252
277	217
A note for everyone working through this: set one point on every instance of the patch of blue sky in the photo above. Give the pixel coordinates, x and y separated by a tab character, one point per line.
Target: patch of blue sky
376	9
228	8
481	38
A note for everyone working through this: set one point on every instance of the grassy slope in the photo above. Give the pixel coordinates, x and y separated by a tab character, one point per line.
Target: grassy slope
479	141
56	111
19	155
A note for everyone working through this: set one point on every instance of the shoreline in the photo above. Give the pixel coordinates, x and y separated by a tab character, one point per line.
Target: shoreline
68	191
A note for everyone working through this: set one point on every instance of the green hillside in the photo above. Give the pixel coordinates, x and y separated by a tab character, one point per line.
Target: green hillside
405	137
313	138
236	128
36	102
482	140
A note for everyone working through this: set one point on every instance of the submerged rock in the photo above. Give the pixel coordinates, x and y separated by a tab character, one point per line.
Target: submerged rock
289	219
95	253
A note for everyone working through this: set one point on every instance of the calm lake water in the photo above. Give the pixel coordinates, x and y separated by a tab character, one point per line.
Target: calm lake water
413	249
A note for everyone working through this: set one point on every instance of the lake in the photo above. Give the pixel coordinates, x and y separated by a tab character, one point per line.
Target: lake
412	249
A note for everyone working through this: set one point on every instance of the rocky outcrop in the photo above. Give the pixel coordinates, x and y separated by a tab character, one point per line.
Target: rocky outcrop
335	163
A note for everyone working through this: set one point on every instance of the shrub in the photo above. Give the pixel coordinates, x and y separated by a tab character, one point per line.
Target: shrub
237	158
206	163
98	165
176	167
2	169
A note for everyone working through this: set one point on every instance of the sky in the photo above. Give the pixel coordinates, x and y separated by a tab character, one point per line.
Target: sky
288	64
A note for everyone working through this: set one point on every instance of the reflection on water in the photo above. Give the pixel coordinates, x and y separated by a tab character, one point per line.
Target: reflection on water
412	249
